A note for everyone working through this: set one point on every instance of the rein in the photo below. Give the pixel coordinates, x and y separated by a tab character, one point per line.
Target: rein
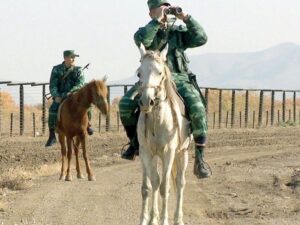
157	100
157	88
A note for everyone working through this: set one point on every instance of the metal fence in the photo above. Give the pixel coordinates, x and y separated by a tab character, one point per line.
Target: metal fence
24	108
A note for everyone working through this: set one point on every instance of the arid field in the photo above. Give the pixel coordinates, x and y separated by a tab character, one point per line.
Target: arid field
256	180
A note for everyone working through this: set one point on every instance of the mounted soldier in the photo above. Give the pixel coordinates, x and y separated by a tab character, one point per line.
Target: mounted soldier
158	33
65	79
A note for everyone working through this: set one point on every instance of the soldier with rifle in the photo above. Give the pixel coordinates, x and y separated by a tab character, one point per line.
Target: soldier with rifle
65	79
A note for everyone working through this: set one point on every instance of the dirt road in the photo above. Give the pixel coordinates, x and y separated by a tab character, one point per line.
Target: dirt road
255	181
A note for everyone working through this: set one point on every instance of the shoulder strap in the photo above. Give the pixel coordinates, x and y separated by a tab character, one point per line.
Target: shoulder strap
67	73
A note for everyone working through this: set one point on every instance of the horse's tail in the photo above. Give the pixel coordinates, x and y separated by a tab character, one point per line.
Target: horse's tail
174	175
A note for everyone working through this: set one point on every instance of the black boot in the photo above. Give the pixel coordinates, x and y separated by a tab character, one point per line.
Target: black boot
133	149
201	168
52	139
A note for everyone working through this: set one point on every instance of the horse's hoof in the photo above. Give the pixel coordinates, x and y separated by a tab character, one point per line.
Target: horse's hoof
80	176
91	178
62	177
68	178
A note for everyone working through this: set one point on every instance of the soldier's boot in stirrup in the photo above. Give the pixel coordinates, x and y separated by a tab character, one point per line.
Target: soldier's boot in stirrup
201	168
133	149
52	139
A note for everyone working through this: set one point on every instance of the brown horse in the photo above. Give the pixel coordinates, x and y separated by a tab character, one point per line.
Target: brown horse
73	121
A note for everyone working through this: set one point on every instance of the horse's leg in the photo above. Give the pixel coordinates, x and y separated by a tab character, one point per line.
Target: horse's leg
87	164
151	166
69	145
181	163
62	142
146	191
76	149
168	160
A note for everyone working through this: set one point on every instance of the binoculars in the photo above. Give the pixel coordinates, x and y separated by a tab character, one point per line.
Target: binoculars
172	10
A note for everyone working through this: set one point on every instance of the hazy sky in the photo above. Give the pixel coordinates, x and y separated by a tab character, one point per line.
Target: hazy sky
34	33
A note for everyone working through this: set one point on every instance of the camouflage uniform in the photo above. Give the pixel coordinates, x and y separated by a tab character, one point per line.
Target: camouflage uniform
60	87
179	38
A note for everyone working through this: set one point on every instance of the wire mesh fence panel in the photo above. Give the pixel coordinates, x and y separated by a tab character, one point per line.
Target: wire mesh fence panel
24	110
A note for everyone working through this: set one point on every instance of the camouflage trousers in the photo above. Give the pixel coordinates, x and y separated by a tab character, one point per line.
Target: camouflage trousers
53	110
128	106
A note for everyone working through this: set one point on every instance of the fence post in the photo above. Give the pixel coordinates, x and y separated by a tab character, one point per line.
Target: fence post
11	123
227	116
294	106
233	108
261	106
125	89
220	107
267	118
44	110
33	123
107	127
246	108
290	115
253	119
278	116
206	99
21	109
272	107
283	106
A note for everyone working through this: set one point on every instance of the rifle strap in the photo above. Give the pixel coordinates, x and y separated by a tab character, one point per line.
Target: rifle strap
67	73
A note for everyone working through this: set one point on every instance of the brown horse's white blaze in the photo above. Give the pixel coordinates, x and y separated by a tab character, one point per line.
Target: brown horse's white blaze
73	121
162	133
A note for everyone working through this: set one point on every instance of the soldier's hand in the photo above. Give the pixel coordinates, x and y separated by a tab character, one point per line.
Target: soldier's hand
182	16
159	13
57	99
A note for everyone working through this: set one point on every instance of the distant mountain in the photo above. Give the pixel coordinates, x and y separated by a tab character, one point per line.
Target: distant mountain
277	67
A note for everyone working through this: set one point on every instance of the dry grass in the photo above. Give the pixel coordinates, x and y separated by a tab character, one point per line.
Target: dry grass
18	179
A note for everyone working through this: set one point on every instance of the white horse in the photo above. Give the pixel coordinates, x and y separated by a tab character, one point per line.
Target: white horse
163	132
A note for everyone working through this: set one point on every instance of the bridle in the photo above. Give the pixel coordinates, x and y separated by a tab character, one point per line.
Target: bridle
157	89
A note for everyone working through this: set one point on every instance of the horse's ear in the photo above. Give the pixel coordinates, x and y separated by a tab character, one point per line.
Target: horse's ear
142	50
104	79
164	53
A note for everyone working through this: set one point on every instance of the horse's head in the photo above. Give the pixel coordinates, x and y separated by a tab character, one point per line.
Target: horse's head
153	72
99	94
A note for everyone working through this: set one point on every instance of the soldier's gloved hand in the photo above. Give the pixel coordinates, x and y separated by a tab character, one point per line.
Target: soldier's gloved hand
57	99
69	93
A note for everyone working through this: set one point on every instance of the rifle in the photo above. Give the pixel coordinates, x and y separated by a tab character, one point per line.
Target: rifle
193	80
48	95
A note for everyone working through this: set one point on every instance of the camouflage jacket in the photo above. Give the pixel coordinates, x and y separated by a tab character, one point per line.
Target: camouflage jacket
59	87
179	39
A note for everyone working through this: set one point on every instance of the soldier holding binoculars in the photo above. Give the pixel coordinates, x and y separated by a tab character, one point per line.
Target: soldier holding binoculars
158	33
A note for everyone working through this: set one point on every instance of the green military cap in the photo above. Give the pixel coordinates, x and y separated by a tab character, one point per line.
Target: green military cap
68	53
156	3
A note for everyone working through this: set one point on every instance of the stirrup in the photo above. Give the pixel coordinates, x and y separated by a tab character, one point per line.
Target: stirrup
130	156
